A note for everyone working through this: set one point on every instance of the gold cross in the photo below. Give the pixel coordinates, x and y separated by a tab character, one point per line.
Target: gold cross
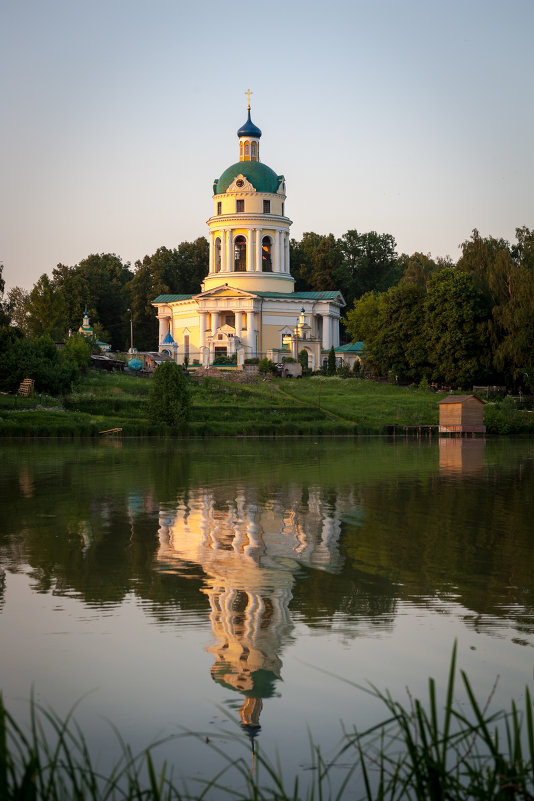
248	92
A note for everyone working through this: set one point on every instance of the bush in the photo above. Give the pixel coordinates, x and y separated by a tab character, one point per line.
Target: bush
252	360
267	366
331	365
169	401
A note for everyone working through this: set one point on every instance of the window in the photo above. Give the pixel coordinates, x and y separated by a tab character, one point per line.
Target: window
241	151
247	146
283	209
266	206
219	207
186	345
240	205
218	255
240	254
266	254
253	151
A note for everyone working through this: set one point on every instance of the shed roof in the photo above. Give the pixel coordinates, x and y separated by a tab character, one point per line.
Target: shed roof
460	399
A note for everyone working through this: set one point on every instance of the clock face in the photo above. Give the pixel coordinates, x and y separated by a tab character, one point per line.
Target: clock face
240	183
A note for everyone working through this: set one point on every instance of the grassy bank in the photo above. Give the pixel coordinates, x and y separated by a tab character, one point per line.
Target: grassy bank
281	407
428	750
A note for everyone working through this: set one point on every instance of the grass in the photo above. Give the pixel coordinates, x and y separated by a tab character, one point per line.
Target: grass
436	750
282	407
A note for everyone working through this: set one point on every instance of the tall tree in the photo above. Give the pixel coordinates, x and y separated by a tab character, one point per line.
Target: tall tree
417	269
455	315
321	258
17	307
46	310
369	262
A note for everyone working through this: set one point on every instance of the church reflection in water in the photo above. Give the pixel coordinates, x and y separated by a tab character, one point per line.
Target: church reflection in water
250	551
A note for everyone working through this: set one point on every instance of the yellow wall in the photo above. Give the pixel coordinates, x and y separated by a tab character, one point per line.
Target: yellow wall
253	203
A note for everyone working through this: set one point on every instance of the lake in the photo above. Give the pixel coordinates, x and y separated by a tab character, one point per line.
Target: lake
242	590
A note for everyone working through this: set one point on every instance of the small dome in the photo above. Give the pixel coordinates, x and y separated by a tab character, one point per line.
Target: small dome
262	178
168	339
249	129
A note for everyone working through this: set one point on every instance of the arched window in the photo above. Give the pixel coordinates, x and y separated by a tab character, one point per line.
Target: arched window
266	255
241	150
247	150
218	255
253	151
240	254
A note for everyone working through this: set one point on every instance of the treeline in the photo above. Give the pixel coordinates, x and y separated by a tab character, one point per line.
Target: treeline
454	323
472	322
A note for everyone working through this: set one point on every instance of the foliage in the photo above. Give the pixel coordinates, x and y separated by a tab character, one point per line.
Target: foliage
369	262
267	366
36	358
303	359
169	399
331	364
77	350
226	359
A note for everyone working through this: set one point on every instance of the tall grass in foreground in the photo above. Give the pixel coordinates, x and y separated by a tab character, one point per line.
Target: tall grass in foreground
421	752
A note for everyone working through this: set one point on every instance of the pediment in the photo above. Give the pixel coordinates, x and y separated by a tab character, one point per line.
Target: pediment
240	184
224	291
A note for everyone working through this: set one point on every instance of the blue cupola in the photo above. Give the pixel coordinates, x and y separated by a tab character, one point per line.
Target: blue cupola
249	129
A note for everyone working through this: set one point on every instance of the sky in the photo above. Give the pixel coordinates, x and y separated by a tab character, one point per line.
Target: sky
408	117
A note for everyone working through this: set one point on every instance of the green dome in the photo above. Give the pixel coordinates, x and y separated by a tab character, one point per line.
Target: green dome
262	178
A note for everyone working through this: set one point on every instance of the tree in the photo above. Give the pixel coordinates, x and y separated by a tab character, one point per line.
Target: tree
168	399
399	345
331	364
46	309
417	269
78	351
320	259
454	329
364	319
369	262
17	307
303	359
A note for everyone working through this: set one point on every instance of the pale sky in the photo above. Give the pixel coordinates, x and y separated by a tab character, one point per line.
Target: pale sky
408	117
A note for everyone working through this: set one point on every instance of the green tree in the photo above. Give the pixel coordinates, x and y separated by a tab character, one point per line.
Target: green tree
17	307
303	359
399	345
417	269
369	262
46	309
78	351
363	321
169	400
320	260
331	364
454	329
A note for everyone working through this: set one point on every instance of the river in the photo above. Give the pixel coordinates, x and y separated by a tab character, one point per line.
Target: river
238	593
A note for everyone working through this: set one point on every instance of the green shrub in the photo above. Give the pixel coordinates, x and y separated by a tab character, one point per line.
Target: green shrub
169	399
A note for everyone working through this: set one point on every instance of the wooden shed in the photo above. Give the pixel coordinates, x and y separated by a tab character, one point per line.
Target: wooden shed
461	414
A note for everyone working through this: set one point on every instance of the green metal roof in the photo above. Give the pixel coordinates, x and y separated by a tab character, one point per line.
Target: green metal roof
331	295
352	347
262	178
171	298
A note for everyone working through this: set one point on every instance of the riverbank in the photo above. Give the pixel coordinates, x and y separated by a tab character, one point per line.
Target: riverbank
318	405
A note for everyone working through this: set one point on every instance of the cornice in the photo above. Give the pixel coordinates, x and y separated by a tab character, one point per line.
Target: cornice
242	217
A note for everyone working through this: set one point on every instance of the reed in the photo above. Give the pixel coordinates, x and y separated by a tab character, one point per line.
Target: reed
437	750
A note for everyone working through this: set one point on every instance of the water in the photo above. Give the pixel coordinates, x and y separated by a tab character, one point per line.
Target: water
239	589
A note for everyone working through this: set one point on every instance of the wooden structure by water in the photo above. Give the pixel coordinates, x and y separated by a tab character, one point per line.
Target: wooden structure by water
461	414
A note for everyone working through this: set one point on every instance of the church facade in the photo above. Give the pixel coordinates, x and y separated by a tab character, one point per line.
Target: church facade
247	306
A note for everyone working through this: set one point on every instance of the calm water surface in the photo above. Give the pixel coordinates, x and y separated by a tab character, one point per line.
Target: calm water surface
236	589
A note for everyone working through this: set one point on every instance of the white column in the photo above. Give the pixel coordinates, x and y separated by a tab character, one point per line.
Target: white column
202	334
250	332
212	252
250	246
327	332
238	323
163	328
286	252
223	251
229	252
335	327
277	252
257	265
214	323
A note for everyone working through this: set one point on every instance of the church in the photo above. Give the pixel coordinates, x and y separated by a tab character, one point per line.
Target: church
247	307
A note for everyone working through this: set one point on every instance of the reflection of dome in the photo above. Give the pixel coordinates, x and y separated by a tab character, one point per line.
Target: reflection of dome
262	178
